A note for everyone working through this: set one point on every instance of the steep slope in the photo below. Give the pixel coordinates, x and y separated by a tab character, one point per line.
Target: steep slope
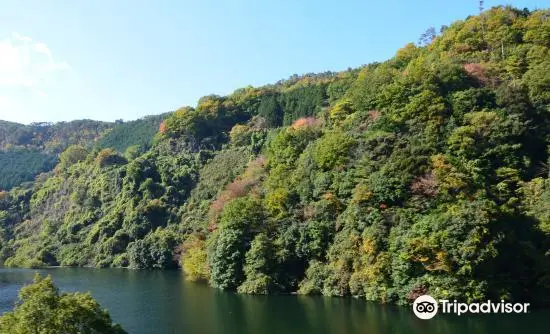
427	173
20	166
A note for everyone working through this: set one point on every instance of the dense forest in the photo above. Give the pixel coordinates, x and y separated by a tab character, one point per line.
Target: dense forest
28	150
19	166
137	134
426	173
50	137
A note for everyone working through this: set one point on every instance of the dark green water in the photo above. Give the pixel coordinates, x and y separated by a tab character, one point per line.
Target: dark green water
163	302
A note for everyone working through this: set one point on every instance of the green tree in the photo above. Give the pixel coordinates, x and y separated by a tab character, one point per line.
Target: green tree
258	267
43	309
239	221
72	155
271	110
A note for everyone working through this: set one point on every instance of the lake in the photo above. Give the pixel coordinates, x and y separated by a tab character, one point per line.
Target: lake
164	302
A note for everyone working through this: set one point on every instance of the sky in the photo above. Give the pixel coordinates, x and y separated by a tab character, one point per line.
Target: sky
124	59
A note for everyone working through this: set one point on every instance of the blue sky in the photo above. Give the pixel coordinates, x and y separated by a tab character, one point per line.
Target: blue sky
124	59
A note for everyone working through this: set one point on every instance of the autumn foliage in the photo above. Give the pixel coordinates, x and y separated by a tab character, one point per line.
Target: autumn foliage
240	187
305	122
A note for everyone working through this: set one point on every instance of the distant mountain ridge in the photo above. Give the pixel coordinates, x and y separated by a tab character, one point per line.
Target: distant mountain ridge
28	150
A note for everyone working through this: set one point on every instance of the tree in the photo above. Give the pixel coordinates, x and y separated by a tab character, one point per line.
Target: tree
194	259
271	110
108	156
72	155
258	266
238	223
43	309
427	37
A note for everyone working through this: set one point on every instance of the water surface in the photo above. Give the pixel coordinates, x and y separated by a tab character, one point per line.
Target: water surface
163	302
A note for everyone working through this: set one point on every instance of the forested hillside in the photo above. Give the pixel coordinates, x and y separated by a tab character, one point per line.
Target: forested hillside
19	166
50	138
137	134
427	173
28	150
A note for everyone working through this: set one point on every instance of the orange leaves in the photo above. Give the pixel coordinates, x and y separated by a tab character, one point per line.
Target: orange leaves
482	72
305	122
162	127
476	70
374	115
240	187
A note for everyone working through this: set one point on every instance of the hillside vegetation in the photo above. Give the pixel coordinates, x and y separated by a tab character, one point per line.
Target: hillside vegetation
50	138
427	173
28	150
138	133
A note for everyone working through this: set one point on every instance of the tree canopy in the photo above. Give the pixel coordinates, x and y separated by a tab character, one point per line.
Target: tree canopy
41	308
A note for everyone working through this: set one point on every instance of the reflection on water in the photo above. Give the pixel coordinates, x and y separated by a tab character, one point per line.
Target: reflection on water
163	302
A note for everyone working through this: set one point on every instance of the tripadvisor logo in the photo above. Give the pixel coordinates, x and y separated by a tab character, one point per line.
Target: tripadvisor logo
426	307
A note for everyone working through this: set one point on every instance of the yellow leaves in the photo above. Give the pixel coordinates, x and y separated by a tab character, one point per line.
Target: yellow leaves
183	111
441	262
538	28
242	95
332	201
447	176
369	246
536	202
209	104
407	53
194	259
178	122
361	194
340	110
275	201
238	134
104	155
427	106
368	278
433	259
332	150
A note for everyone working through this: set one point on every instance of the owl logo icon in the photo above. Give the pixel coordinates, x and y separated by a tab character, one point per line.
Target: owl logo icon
425	307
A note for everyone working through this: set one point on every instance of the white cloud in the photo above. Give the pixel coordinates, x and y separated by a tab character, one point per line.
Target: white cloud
43	48
21	38
27	63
